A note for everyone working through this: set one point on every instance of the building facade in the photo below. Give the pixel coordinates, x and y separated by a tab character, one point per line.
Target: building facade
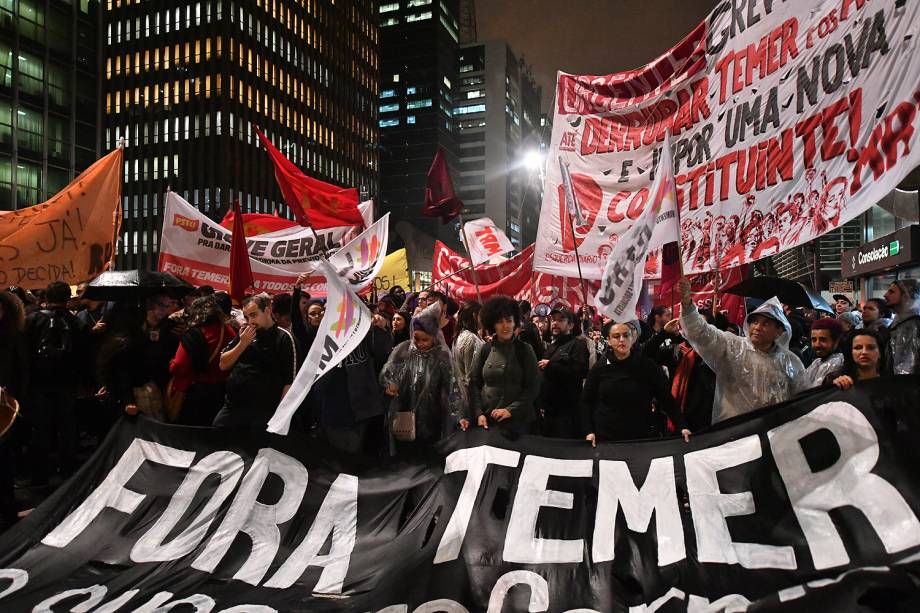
186	82
501	135
418	79
49	93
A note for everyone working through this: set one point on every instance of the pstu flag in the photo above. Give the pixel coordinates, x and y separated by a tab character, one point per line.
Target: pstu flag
315	203
343	327
657	226
361	260
571	202
484	240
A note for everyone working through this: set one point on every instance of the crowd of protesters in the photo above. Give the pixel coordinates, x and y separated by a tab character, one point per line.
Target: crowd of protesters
427	367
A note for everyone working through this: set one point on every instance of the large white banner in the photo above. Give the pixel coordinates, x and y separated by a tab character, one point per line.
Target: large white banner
197	249
788	120
343	327
484	240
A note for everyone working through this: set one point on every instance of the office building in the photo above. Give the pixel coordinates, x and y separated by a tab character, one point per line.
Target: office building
49	93
418	78
186	82
501	134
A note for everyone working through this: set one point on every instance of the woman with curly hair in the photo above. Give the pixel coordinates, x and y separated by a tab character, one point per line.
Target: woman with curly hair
504	375
196	375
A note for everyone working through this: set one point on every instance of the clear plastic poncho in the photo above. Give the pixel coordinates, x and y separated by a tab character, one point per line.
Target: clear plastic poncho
426	382
746	378
905	340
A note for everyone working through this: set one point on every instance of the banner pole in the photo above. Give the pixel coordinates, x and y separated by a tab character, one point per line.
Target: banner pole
581	279
470	256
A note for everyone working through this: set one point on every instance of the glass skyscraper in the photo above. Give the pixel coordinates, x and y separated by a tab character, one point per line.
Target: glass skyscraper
49	93
185	82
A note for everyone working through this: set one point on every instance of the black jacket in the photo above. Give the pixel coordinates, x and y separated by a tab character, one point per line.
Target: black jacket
350	392
665	349
616	403
561	380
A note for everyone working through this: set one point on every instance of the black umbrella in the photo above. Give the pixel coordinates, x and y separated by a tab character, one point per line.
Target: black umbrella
128	284
789	292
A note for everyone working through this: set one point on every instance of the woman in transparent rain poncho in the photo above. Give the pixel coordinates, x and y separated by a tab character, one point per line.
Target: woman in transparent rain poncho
752	371
419	377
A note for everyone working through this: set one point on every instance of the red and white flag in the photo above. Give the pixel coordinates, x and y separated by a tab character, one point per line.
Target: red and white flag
657	226
484	240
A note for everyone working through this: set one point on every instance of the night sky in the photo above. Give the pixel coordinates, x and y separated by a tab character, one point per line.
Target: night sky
587	36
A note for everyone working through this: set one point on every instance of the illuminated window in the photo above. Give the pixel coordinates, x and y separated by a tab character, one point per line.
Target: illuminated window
410	91
388	93
389	123
387	8
413	3
389	108
418	17
418	104
475	94
410	119
465	110
389	21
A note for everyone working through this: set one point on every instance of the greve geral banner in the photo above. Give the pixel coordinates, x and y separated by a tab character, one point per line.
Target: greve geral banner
484	240
808	506
788	120
70	237
345	323
197	249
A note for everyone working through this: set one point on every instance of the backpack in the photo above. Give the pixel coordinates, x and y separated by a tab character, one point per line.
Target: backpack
55	346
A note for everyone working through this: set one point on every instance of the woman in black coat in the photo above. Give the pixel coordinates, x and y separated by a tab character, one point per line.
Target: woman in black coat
620	391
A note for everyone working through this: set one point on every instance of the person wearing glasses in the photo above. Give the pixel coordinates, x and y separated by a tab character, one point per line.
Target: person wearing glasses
625	391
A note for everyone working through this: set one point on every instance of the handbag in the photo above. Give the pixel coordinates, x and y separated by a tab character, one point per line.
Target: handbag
149	400
175	399
402	425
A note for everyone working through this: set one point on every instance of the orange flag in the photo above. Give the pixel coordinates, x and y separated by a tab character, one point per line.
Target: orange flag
314	202
240	269
70	237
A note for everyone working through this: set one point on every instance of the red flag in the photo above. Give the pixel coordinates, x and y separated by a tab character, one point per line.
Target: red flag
314	202
240	270
255	224
440	199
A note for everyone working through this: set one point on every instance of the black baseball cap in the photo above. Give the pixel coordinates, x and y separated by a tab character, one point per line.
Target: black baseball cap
565	312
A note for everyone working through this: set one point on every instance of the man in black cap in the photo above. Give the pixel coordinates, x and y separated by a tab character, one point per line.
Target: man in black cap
842	304
562	373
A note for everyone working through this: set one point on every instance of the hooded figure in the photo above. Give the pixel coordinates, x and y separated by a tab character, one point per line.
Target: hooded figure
747	378
420	372
905	329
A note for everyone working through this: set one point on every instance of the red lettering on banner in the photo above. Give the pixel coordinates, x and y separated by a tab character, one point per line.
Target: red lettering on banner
736	68
634	130
612	214
881	152
488	240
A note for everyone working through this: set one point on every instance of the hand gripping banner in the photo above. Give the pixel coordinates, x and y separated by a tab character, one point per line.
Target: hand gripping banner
807	506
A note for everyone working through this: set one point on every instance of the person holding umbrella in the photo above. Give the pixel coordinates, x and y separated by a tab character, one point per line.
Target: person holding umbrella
752	371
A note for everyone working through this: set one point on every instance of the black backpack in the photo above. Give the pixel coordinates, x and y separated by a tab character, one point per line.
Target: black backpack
55	346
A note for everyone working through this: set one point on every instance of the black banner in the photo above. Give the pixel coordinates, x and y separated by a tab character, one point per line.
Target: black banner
810	504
